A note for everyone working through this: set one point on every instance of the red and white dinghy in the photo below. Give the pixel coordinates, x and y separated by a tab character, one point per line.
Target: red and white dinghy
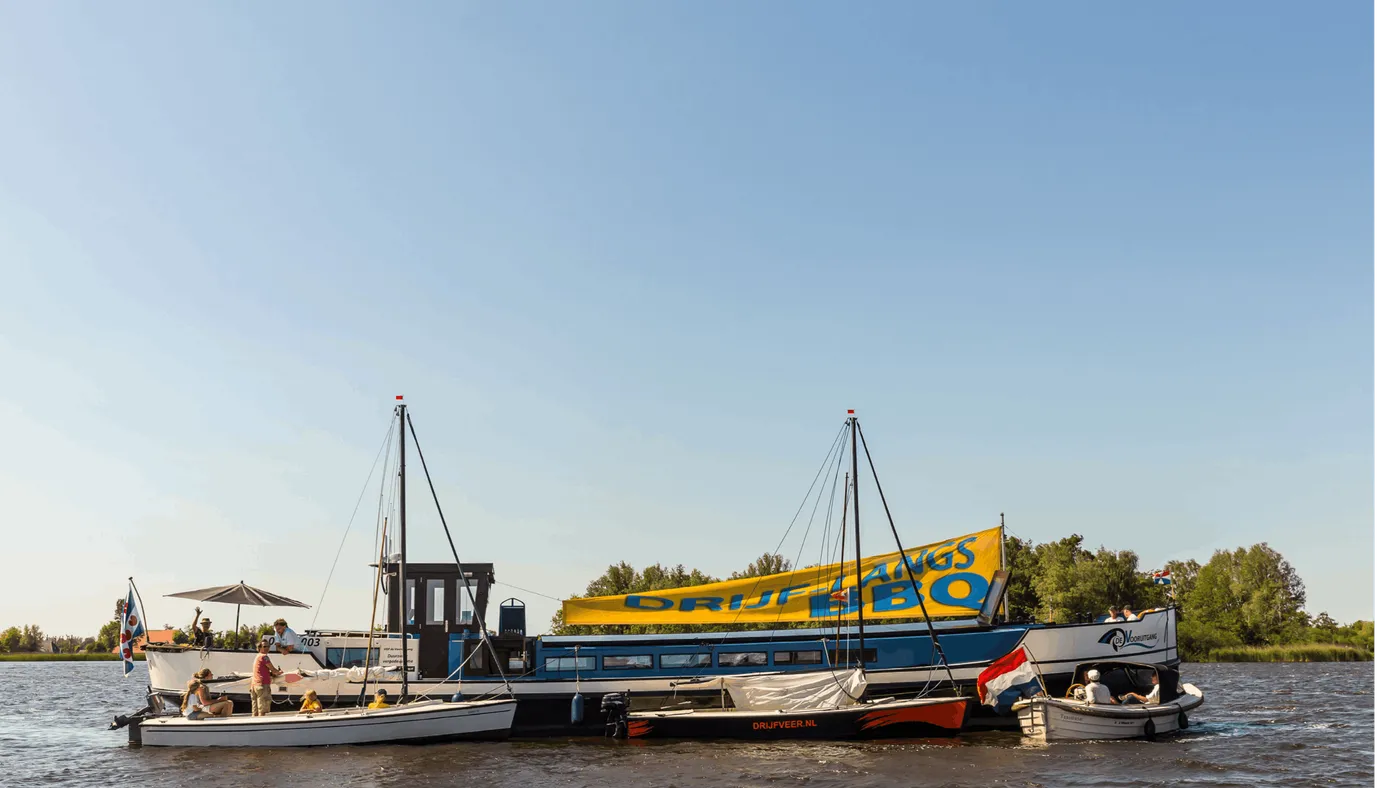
421	722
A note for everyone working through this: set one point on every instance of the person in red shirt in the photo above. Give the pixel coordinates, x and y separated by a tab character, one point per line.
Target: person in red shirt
260	685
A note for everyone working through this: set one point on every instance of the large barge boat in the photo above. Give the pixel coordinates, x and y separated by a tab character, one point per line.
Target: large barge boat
445	657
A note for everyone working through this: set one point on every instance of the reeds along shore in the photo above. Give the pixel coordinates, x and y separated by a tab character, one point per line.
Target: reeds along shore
1300	652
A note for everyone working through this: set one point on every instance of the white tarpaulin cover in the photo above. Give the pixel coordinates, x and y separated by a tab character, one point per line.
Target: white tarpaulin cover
351	675
801	692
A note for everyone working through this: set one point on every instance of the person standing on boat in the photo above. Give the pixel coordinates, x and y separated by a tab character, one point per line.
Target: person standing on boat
200	634
1096	694
260	685
1151	698
284	639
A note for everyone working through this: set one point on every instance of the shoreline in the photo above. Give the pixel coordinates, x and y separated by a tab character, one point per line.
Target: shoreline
35	656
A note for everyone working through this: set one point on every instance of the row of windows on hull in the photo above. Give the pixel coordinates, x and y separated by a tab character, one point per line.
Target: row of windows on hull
732	659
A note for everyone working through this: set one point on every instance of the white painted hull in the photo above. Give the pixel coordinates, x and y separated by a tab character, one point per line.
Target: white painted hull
426	721
1058	719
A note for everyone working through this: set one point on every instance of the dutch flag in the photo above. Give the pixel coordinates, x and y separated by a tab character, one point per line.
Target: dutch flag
1008	680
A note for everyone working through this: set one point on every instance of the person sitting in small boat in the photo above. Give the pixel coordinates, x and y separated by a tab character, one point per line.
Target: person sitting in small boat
284	639
195	702
381	700
310	704
1150	699
1096	694
1128	614
1113	616
260	685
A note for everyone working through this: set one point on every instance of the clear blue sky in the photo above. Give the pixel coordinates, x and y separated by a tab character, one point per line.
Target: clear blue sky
1106	268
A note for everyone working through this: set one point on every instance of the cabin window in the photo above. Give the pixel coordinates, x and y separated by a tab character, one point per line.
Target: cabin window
844	656
464	601
554	664
627	662
797	658
437	599
738	659
685	660
349	657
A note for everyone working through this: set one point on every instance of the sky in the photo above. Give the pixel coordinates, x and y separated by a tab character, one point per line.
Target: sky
1104	268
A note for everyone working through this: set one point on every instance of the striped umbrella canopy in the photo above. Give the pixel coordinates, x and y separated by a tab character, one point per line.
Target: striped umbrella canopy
239	594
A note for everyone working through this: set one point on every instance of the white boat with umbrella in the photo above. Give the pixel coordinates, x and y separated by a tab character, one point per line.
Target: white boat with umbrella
1073	718
409	721
239	594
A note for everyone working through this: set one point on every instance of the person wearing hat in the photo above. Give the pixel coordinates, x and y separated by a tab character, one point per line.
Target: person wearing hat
1096	694
381	700
200	633
284	639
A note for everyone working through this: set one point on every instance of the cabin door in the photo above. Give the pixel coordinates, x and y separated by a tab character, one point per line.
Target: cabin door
433	634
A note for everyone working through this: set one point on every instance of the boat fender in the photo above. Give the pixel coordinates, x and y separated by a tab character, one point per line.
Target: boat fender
576	709
458	697
1182	722
1150	729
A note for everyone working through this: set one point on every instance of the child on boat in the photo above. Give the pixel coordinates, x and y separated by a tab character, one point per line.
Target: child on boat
381	700
309	703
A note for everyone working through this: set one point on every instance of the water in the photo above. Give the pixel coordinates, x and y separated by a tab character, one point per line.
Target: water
1308	724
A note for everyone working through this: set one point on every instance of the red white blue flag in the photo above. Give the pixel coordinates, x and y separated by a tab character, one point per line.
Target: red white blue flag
1008	680
131	628
1162	578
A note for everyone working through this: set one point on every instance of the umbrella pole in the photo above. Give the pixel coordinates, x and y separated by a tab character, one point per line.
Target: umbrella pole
237	633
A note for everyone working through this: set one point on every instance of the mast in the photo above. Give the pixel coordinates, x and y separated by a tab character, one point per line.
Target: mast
403	557
855	505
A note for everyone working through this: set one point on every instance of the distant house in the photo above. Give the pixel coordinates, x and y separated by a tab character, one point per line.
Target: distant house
154	636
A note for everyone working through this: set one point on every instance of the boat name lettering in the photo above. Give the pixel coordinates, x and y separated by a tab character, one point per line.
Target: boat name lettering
768	726
1120	639
957	589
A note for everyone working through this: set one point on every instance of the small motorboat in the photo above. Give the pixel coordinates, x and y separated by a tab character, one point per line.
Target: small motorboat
777	706
1072	718
420	722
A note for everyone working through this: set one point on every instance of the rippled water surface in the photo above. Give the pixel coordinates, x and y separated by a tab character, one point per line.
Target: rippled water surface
1260	725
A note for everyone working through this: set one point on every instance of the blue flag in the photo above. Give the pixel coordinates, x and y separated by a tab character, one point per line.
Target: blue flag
131	628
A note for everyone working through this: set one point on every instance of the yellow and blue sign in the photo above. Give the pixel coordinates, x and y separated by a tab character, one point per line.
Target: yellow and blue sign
952	577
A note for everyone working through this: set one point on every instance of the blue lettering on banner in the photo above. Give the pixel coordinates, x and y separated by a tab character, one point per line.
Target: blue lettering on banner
971	559
736	601
877	572
941	592
783	595
890	597
647	602
711	603
944	561
762	600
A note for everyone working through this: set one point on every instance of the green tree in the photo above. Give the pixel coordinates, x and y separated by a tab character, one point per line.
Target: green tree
1022	601
10	640
767	564
108	634
1249	595
622	578
30	638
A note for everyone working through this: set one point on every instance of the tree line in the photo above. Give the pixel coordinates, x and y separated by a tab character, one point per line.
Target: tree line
31	639
1247	597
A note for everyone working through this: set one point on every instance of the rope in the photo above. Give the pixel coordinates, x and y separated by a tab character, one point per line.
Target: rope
356	511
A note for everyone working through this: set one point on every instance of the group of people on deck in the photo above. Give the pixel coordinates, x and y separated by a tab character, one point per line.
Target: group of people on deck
1096	694
196	702
1115	616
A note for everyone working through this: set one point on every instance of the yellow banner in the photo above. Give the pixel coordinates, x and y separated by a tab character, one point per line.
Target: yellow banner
952	576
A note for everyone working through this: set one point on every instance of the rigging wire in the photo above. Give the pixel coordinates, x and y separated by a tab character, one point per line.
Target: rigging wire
356	511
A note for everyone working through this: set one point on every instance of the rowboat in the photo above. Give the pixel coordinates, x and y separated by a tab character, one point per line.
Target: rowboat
1073	718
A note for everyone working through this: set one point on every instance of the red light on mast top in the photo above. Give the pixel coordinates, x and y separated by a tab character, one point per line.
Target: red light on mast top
850	411
400	397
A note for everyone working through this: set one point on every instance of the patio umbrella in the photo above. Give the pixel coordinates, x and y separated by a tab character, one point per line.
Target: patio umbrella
239	594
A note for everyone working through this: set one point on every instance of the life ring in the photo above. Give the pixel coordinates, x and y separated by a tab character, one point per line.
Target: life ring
1150	729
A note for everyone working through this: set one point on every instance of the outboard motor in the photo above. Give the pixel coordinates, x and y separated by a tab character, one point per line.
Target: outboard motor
615	706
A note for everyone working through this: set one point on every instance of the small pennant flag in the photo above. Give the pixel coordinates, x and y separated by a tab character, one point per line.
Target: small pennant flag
843	596
1162	578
